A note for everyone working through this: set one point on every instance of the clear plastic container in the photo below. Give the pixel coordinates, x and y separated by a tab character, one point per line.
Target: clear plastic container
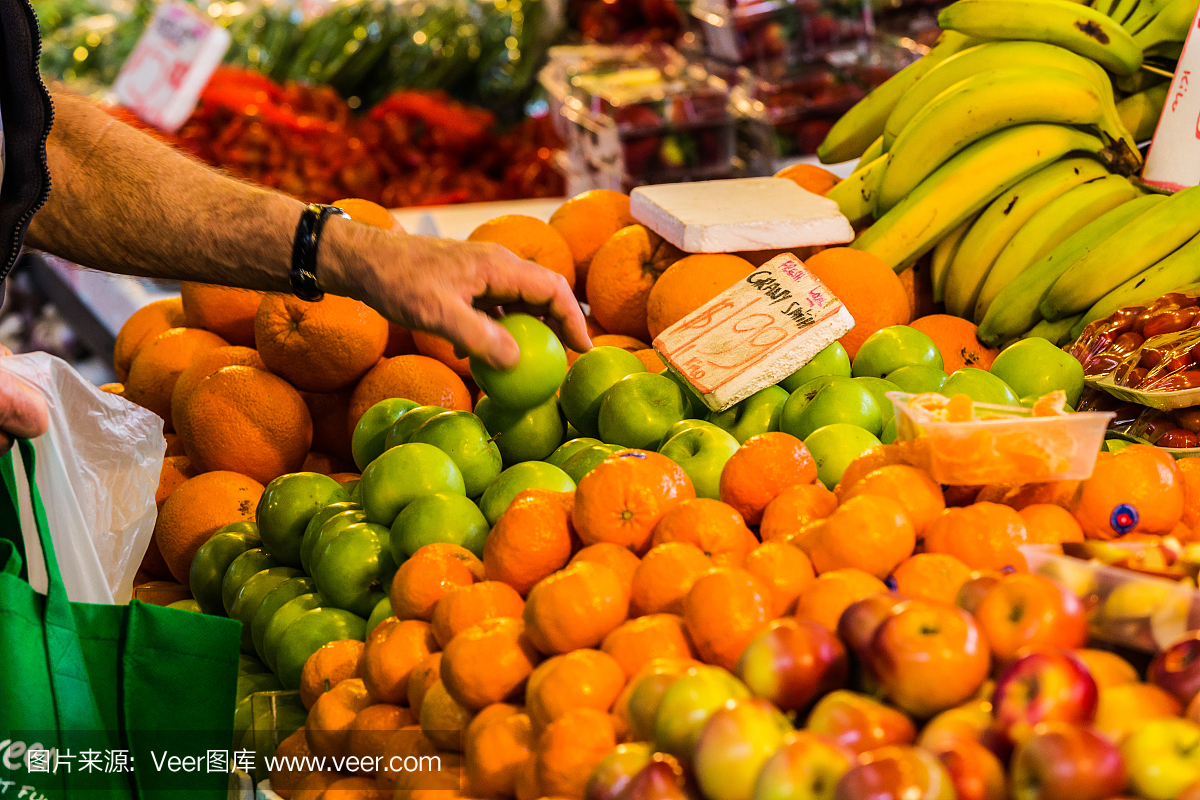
1124	607
1001	444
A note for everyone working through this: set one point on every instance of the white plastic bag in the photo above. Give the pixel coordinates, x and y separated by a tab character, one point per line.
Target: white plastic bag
97	470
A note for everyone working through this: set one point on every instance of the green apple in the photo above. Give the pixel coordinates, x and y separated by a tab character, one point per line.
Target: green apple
833	360
272	602
249	665
835	446
250	596
382	610
593	374
879	389
404	473
327	532
313	530
288	613
354	490
443	517
518	478
695	406
404	427
308	633
211	563
370	434
889	432
1115	445
356	567
529	435
841	400
287	505
733	746
639	409
1037	367
538	373
888	349
241	569
758	413
570	448
684	425
588	459
981	386
188	604
1162	757
462	436
919	379
702	453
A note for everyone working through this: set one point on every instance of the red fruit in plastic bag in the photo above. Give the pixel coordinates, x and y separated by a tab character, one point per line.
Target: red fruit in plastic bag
1155	428
1188	418
1126	343
1135	378
1189	379
1169	322
1178	437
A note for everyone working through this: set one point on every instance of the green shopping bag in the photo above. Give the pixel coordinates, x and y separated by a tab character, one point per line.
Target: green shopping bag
105	701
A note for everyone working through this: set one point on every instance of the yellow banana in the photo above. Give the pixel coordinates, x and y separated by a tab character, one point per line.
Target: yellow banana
1140	112
1075	27
856	195
1170	25
1001	220
1122	9
870	154
965	184
943	256
1146	11
1138	245
1049	227
1057	333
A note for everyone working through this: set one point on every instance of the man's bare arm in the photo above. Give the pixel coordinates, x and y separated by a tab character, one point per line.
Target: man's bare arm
121	201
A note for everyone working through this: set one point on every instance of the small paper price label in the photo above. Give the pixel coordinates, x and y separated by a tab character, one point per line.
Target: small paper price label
1173	162
170	65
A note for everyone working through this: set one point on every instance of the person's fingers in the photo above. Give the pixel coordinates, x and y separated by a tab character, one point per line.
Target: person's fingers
23	411
476	334
6	443
514	280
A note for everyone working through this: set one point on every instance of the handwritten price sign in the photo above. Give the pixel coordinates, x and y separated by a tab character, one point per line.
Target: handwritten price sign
756	333
1173	162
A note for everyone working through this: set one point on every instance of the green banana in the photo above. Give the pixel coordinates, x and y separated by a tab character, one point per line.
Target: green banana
965	184
856	194
1057	333
1138	245
1049	227
984	104
1140	112
1146	11
943	256
1178	269
1143	80
1015	309
1075	27
851	135
1168	26
1001	220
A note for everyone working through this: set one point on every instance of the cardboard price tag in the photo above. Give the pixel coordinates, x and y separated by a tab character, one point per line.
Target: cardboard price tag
170	65
754	334
1173	162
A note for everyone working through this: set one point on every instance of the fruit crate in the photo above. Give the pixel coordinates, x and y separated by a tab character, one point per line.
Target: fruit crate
760	33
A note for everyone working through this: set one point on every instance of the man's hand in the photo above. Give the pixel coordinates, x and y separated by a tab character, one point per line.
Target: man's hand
23	412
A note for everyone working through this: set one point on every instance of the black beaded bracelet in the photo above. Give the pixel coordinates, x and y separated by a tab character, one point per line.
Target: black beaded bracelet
304	250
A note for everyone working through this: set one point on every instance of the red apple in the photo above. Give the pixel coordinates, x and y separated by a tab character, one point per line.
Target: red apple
1030	611
688	703
858	623
793	663
971	593
661	779
929	657
1177	668
616	771
807	767
896	773
974	770
1060	761
969	721
734	744
1047	686
859	722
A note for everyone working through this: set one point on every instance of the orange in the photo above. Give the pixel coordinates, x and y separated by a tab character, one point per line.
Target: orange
355	787
1046	523
910	487
143	327
329	720
629	343
393	650
434	346
956	341
284	781
314	784
594	328
488	663
159	363
368	213
371	730
810	177
496	746
400	342
421	379
531	239
326	465
531	539
1189	471
665	576
690	283
345	477
444	720
226	311
830	594
867	286
569	749
203	365
175	470
881	456
153	562
983	536
412	741
651	360
328	411
249	421
331	664
724	611
636	643
795	507
118	389
763	467
715	527
430	574
421	678
1137	490
935	577
575	607
580	679
624	497
322	346
468	605
786	571
194	512
174	445
622	273
613	556
586	221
